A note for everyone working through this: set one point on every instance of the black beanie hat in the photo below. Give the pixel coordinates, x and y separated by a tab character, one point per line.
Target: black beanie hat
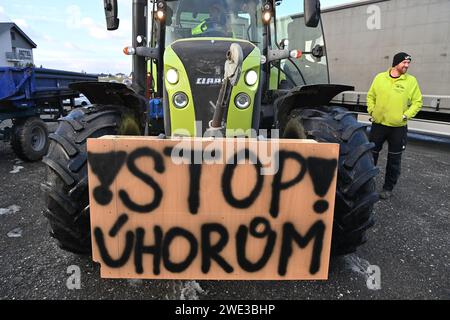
399	57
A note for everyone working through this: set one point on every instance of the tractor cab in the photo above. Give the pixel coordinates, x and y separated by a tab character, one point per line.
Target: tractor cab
196	36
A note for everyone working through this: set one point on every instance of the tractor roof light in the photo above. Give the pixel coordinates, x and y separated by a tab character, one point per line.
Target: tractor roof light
160	15
267	13
161	10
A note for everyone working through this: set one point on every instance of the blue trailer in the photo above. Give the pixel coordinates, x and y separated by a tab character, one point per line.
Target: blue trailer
30	97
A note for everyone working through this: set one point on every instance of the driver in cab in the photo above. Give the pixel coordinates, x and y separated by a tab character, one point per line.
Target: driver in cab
216	25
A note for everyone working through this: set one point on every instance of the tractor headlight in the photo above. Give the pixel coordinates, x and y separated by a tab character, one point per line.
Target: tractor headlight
251	77
172	76
242	101
180	100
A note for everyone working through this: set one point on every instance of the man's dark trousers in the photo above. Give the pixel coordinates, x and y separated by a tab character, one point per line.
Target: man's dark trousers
396	138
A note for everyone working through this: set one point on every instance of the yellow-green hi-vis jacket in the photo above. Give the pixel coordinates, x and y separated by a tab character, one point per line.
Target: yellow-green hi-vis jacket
389	99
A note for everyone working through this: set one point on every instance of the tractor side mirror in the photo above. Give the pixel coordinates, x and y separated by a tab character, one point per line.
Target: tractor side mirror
312	13
111	9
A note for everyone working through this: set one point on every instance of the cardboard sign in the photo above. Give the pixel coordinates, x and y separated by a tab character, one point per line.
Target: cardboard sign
232	209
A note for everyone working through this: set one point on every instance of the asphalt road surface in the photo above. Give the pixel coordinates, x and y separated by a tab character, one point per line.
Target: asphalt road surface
410	244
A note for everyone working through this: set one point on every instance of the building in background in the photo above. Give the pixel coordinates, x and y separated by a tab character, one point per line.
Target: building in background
16	48
363	36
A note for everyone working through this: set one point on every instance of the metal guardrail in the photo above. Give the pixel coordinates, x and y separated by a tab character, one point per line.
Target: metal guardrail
434	103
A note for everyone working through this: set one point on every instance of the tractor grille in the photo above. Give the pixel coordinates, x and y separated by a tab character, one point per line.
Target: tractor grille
204	61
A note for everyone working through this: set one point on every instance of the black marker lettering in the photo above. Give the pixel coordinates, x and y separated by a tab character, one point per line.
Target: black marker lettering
155	250
105	166
110	262
121	221
211	252
322	174
227	179
195	174
158	194
316	232
241	241
193	249
278	185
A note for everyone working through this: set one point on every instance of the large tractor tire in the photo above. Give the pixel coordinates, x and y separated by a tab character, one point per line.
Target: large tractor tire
29	138
355	191
66	185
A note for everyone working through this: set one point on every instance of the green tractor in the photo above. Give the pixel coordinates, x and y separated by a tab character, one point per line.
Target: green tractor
209	67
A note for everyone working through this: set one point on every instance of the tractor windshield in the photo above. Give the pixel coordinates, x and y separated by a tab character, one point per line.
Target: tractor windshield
240	19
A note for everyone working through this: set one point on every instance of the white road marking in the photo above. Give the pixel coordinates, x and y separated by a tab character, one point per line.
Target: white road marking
357	264
11	209
16	169
15	233
190	289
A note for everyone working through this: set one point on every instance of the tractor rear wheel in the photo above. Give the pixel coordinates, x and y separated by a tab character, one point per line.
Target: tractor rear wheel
355	191
66	185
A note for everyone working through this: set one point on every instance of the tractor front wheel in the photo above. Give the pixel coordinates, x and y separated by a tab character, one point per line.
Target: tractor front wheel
66	186
355	191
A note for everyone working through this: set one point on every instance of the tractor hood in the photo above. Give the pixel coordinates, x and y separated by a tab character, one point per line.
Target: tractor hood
203	60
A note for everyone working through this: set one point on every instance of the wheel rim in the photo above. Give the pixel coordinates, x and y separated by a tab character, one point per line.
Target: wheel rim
38	138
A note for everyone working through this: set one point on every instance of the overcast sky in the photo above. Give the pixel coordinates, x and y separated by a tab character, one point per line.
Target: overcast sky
71	34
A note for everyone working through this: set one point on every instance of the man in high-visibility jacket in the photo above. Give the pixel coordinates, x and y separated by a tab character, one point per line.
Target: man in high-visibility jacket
393	99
